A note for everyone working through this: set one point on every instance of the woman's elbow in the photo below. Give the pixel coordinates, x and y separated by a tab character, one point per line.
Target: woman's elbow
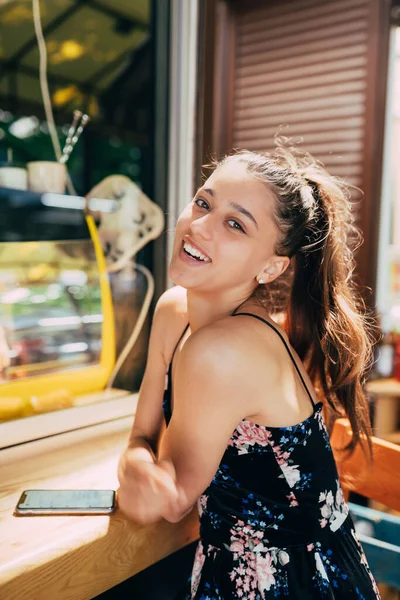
173	517
176	514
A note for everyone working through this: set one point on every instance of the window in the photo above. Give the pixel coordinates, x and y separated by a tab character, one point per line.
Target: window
57	321
109	58
388	296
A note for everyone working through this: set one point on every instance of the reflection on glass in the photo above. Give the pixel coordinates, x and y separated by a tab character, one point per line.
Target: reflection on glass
50	308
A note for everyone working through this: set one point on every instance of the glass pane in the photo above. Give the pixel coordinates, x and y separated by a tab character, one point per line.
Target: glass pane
393	187
50	316
101	62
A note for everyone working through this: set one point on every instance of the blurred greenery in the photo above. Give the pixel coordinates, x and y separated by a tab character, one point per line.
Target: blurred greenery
95	156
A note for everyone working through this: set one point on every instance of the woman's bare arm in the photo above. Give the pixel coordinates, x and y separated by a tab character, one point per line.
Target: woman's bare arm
208	404
149	421
215	389
145	488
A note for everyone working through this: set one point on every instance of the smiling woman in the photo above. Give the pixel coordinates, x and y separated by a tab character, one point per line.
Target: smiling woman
234	206
195	252
245	435
227	233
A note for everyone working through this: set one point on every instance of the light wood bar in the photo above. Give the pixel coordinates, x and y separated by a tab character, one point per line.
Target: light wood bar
387	402
74	558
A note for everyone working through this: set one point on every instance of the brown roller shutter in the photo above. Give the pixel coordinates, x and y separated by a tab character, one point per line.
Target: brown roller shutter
308	69
301	68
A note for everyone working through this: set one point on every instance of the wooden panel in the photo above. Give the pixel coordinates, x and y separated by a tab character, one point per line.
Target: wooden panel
310	69
312	19
331	139
325	92
315	70
301	70
333	68
304	61
322	134
312	117
301	40
297	82
251	12
377	481
313	46
287	105
291	10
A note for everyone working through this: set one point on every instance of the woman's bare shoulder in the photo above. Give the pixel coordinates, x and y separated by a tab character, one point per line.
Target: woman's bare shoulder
249	330
237	362
170	319
236	341
173	302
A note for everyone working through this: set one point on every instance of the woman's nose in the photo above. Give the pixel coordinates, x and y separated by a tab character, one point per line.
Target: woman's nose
202	227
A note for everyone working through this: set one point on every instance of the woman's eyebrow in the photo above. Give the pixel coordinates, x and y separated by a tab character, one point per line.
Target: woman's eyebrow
237	207
244	212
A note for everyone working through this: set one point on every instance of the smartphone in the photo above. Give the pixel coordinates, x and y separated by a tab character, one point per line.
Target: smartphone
65	502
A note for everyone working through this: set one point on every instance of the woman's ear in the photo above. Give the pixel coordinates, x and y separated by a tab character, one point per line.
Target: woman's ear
274	269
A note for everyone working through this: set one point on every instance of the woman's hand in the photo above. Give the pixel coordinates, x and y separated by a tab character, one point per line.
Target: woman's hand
147	490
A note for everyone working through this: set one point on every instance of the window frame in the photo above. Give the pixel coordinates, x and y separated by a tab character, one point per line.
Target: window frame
175	24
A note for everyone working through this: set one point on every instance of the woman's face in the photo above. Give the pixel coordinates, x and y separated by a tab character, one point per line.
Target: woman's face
229	226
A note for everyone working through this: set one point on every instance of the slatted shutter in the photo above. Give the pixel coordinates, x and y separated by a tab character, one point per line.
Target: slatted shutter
301	68
309	69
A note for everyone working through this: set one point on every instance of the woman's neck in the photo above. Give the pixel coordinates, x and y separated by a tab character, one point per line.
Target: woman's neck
204	310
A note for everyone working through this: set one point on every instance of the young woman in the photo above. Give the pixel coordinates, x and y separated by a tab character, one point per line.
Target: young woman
245	434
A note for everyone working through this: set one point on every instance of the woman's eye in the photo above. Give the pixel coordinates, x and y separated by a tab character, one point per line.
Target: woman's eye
201	203
235	225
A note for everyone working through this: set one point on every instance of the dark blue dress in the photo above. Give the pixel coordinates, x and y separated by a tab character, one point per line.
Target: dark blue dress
273	521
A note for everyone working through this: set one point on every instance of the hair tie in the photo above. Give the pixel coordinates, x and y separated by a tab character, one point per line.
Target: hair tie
314	190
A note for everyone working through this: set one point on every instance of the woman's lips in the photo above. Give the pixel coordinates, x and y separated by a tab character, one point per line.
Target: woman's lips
191	261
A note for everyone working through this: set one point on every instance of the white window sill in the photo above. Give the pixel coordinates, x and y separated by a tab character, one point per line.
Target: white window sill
89	410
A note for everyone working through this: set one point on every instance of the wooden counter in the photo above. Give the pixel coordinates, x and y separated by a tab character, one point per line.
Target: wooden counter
74	558
386	394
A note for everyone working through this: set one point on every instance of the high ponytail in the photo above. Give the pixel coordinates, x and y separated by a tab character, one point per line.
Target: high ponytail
326	320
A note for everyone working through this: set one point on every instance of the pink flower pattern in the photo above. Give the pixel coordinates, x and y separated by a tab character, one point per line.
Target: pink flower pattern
363	560
258	568
199	560
334	509
292	498
249	434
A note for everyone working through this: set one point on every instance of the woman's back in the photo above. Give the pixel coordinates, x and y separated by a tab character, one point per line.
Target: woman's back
285	399
273	520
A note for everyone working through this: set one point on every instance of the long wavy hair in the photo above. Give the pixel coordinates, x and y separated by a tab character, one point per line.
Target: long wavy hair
324	316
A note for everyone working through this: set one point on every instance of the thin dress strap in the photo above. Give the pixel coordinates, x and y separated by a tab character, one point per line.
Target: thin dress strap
168	381
177	344
286	346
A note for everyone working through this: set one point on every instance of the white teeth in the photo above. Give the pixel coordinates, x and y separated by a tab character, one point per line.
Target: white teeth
194	252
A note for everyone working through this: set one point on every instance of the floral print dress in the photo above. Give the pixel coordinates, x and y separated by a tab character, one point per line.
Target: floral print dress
273	521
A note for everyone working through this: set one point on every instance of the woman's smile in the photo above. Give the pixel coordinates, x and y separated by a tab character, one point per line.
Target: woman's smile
192	255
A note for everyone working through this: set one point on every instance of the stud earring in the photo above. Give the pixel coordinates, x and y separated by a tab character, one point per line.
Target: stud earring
261	281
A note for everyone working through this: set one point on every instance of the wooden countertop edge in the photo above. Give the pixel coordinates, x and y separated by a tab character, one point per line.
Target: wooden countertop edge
384	387
86	570
75	557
